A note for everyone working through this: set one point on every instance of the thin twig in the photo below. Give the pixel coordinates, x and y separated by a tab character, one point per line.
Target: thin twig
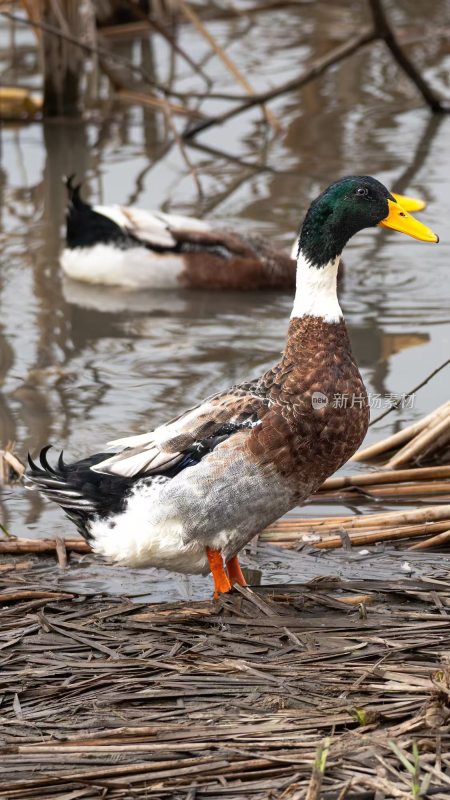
386	32
160	103
214	151
182	148
153	23
398	403
193	17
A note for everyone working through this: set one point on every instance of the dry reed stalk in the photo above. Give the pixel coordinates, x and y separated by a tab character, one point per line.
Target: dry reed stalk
391	490
440	538
10	465
330	541
310	535
16	546
310	523
383	476
193	17
131	96
372	537
126	29
435	429
384	520
438	444
402	436
61	552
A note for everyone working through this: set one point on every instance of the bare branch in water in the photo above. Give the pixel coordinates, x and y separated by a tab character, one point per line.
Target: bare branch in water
316	69
385	31
193	17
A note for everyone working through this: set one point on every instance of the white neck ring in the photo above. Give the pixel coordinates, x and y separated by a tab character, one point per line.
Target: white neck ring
316	291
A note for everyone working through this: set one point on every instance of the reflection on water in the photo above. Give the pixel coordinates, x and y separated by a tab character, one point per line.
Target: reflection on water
80	365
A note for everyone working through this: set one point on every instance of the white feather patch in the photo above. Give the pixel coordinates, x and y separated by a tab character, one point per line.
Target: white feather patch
294	250
134	537
134	268
153	227
178	222
316	292
141	439
148	460
144	225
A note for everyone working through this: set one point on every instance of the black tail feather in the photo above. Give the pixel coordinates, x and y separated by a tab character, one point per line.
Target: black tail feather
86	227
73	190
81	493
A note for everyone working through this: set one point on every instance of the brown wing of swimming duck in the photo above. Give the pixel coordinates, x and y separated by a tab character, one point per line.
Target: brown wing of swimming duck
220	259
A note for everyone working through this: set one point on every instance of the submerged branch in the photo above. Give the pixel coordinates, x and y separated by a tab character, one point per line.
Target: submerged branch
193	17
412	391
316	69
385	31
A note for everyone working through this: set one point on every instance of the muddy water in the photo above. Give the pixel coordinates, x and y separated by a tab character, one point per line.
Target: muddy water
80	365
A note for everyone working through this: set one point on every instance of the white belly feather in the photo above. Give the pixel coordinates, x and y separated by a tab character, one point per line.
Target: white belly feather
133	268
221	503
136	538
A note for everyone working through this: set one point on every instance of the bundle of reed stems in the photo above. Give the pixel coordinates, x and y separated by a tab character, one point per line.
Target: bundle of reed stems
401	485
425	440
329	533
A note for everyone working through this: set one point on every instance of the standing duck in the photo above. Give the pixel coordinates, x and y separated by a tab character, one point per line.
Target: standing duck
136	249
189	495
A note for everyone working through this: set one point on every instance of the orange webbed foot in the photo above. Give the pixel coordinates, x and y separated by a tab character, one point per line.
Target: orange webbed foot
221	581
235	573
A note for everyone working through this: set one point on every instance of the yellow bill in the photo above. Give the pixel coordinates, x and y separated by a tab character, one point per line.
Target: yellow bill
409	203
399	220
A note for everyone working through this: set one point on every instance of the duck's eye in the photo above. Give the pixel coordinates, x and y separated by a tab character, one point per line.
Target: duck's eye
361	191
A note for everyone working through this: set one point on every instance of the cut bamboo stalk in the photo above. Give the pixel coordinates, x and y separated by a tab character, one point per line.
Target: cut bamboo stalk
9	463
398	524
380	535
440	538
391	490
61	552
420	442
371	537
402	436
408	530
306	522
386	519
42	546
383	476
438	444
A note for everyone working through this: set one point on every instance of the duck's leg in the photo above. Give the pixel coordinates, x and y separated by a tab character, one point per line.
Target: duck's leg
221	582
235	573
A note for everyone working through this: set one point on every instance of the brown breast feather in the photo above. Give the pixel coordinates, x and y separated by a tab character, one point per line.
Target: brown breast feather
301	440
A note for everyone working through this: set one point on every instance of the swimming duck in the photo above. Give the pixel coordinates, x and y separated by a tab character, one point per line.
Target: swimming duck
189	495
136	249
